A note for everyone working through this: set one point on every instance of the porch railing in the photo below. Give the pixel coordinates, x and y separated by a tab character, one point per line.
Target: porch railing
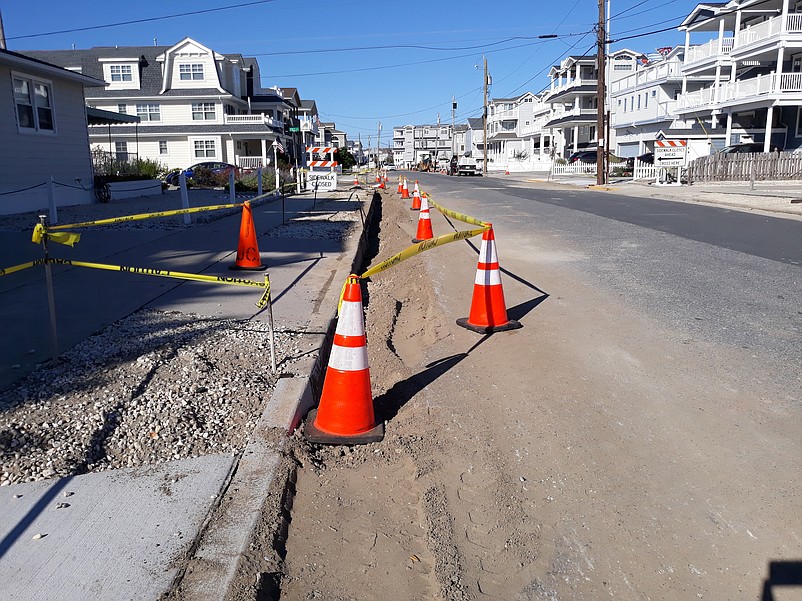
249	162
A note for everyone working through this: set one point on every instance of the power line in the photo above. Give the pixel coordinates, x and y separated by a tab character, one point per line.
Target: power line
136	21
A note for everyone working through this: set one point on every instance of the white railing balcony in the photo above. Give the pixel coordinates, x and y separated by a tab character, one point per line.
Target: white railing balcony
712	49
252	120
569	85
753	33
696	98
659	72
791	82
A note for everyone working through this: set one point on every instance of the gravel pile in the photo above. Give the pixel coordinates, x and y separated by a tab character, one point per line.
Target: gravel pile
152	387
155	386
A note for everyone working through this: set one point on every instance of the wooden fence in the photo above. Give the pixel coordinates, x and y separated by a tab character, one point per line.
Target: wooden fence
746	167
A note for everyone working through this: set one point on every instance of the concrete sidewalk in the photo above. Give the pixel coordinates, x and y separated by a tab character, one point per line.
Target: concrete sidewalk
134	533
783	199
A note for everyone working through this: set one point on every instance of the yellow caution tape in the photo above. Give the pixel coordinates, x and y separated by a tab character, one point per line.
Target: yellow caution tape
143	216
420	247
455	215
262	302
20	267
66	238
215	279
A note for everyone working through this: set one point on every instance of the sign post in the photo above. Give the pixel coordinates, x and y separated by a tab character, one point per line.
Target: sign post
670	154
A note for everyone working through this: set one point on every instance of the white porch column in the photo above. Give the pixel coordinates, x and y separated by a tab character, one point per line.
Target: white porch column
737	29
576	138
264	153
769	120
784	17
780	59
728	135
685	60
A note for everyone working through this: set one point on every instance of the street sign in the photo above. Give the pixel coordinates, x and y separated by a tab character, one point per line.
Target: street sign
670	153
295	129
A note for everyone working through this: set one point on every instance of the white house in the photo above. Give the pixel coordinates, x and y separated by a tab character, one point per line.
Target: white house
43	129
573	96
194	104
412	143
750	52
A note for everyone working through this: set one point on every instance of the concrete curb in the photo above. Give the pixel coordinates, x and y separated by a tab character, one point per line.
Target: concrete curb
222	547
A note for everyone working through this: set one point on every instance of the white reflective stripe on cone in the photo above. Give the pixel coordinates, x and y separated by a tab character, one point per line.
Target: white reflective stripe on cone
347	358
350	321
488	277
488	252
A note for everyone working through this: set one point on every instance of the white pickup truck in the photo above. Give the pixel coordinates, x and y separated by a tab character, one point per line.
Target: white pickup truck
467	165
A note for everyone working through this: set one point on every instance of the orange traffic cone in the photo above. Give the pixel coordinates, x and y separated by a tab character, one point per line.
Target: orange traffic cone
488	311
405	190
248	256
400	185
506	172
378	177
424	222
345	412
356	179
381	185
415	199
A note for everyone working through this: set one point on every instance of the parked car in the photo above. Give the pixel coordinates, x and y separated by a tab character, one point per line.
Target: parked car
747	147
215	167
389	167
583	156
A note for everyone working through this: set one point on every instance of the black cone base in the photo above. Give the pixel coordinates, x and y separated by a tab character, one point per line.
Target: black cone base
312	434
510	325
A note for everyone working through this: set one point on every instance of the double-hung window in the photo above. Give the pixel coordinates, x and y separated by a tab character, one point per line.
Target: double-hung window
34	102
203	111
148	112
204	149
121	73
190	72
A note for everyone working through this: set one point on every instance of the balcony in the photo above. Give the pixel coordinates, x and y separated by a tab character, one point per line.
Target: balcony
578	85
743	90
252	120
660	72
768	29
712	51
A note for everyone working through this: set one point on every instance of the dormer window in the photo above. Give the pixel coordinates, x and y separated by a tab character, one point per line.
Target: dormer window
121	73
191	72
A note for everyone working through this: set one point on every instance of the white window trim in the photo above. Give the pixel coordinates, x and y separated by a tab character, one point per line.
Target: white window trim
32	81
201	108
166	148
133	63
192	72
217	148
145	116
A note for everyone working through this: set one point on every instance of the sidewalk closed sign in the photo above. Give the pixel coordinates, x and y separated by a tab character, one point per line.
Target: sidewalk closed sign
322	181
670	153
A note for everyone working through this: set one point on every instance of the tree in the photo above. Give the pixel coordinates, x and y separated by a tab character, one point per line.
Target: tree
346	159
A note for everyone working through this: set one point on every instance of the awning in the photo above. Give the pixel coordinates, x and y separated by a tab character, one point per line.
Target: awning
100	117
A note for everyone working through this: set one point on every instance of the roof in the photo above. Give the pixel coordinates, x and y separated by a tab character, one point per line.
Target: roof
151	82
96	116
586	89
239	128
476	123
505	136
53	69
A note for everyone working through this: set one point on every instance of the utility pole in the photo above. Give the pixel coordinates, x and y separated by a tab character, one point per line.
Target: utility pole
601	159
378	144
437	143
453	128
484	121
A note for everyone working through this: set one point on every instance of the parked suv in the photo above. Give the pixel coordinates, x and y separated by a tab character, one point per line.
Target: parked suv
747	147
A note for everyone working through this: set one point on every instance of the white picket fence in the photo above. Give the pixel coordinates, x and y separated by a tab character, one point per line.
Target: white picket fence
577	168
643	170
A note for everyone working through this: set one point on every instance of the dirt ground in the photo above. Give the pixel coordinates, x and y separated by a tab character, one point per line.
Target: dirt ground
570	459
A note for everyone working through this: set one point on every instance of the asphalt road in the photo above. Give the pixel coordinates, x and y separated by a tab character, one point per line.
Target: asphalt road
723	275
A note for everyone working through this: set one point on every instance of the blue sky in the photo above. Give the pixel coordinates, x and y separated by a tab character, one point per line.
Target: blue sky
363	62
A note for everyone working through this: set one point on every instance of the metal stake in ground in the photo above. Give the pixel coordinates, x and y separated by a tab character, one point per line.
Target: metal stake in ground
51	298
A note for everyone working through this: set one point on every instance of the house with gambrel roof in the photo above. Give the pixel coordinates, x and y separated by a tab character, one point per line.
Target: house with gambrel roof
195	104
